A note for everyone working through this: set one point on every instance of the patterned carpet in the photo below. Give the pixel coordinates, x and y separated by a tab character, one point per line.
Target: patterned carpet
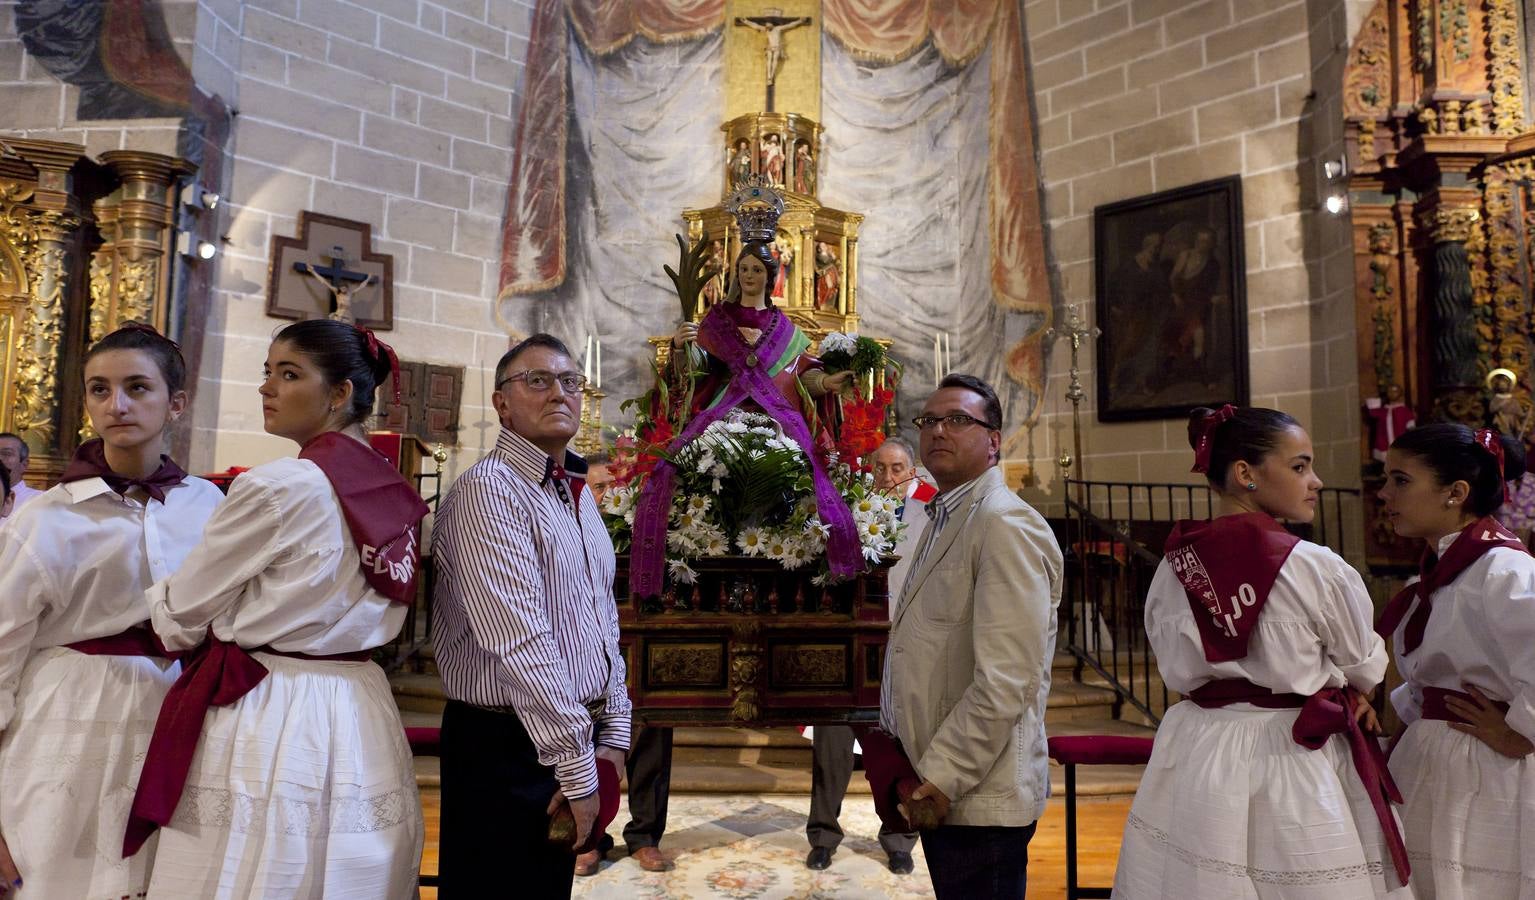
750	847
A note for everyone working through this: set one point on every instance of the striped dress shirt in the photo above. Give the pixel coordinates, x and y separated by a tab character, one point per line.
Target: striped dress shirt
524	607
938	511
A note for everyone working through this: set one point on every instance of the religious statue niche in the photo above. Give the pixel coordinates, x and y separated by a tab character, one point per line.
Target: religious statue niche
330	271
816	246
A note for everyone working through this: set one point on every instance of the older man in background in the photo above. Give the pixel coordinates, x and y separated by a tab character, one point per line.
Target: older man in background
14	456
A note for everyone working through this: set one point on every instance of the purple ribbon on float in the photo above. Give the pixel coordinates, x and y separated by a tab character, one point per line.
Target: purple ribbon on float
749	381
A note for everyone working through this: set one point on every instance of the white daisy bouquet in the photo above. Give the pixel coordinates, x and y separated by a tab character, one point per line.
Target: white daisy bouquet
744	489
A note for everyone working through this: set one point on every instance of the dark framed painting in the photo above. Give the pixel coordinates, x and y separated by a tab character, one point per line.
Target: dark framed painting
1170	274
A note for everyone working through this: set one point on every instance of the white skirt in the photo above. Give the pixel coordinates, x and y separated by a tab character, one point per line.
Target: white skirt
69	763
301	789
1231	807
1469	815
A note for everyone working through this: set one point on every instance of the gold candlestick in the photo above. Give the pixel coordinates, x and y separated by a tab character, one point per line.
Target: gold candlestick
1077	331
589	438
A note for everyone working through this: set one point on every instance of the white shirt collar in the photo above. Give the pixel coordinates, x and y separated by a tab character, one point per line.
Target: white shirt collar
85	489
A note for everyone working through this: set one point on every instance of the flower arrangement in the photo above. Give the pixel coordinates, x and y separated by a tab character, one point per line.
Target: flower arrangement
743	487
863	415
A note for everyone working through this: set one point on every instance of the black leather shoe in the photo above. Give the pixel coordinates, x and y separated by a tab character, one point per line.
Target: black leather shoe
819	858
900	863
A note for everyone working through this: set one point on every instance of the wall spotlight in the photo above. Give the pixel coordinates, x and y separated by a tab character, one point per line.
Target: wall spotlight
210	200
196	249
1335	168
1335	203
198	197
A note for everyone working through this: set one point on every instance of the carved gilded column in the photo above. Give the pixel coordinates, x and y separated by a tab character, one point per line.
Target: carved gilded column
35	414
17	236
142	236
1454	348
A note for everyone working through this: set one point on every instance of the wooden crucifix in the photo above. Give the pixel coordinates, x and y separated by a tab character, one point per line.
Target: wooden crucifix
339	281
337	256
773	26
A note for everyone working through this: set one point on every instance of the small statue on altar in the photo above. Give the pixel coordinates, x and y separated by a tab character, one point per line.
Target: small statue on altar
828	276
1390	419
714	271
804	168
773	159
783	251
741	162
1503	410
746	354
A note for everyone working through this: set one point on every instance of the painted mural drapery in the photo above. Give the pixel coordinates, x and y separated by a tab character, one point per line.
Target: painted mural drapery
978	43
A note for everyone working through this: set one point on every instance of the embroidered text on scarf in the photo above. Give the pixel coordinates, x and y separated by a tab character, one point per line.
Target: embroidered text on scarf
1227	567
382	511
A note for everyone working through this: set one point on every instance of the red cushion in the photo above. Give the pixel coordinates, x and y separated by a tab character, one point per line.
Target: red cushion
1100	750
424	741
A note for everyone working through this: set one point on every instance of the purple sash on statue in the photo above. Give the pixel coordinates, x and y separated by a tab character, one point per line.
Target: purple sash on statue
749	367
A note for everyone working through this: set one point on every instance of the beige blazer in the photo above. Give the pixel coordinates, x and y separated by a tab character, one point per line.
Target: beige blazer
969	658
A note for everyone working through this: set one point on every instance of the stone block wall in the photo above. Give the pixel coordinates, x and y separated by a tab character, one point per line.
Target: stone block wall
1137	96
394	112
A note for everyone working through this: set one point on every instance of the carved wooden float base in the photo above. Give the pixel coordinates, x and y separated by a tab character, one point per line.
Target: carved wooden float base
751	645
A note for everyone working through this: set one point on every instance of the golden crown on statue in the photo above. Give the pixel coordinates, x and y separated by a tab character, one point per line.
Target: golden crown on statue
756	207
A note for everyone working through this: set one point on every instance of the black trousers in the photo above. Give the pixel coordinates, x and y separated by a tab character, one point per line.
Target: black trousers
831	770
650	785
978	862
495	828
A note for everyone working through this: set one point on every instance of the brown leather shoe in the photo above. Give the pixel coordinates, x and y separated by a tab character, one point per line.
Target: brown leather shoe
587	863
651	860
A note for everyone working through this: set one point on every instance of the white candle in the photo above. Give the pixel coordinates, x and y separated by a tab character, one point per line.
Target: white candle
599	364
586	369
948	353
937	360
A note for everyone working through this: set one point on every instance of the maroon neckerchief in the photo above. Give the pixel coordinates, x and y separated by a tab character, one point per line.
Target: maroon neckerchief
381	509
1479	537
90	461
1227	567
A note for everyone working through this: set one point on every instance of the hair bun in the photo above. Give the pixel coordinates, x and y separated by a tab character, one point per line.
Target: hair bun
1197	416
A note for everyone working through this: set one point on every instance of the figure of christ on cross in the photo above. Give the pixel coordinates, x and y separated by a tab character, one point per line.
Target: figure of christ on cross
773	26
340	283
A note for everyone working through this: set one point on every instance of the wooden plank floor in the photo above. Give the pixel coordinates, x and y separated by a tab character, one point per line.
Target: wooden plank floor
1100	823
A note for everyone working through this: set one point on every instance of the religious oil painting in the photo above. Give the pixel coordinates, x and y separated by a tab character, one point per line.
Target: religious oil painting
1171	302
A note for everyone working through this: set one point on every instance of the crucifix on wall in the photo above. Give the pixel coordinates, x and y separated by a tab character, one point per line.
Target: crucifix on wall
773	26
329	270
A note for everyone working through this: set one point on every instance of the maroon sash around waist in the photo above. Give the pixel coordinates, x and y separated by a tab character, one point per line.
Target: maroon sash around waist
1328	712
217	673
136	640
1434	706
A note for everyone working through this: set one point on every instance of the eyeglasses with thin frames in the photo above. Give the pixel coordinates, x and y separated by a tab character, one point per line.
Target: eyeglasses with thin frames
541	380
950	422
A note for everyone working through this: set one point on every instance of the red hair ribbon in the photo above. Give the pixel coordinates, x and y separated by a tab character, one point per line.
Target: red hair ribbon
1488	440
148	329
375	347
1207	427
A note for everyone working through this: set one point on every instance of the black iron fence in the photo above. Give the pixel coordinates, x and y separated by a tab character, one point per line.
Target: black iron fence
416	633
1115	532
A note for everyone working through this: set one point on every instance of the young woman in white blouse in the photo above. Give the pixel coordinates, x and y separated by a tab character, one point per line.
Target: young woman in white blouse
1262	782
1464	636
81	676
300	784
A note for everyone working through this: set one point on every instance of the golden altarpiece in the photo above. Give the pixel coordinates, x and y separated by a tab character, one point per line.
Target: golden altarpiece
1441	161
85	245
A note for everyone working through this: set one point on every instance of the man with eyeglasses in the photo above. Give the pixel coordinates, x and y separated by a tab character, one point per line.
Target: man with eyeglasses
527	641
967	668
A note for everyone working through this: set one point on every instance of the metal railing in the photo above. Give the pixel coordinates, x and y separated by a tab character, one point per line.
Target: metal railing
1115	532
416	633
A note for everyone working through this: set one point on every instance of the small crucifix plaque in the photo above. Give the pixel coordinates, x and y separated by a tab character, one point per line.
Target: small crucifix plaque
330	270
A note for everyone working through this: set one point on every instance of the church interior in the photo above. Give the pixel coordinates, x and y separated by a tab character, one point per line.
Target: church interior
1114	211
